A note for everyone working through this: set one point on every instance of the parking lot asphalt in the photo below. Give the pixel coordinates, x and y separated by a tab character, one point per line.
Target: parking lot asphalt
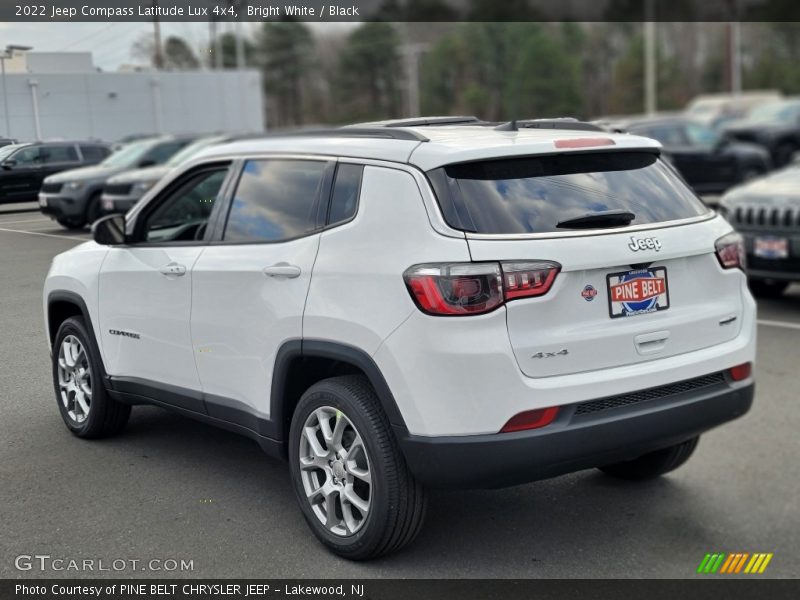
172	488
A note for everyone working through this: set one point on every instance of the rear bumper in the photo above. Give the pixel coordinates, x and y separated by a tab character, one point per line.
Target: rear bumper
573	442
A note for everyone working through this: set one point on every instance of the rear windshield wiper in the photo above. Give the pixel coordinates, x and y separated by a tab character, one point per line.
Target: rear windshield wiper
606	218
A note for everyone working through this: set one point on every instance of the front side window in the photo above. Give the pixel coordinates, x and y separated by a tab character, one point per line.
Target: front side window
276	200
184	214
30	155
94	153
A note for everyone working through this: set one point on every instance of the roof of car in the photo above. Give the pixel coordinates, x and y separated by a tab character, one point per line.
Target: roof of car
429	147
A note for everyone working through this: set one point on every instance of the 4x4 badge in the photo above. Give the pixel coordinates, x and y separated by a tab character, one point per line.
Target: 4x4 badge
650	243
563	352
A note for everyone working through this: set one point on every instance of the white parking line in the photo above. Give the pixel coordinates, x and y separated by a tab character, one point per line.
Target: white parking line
52	235
783	324
25	221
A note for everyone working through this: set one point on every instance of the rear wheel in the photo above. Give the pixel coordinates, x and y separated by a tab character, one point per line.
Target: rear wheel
767	288
86	408
93	208
784	153
653	464
349	476
70	223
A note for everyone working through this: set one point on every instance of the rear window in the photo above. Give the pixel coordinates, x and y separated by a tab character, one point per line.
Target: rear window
532	194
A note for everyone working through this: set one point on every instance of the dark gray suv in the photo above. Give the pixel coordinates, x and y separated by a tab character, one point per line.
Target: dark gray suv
73	197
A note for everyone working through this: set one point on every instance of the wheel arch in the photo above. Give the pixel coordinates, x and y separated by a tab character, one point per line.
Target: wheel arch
301	363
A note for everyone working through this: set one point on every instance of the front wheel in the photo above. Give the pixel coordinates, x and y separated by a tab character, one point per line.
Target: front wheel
350	478
72	223
653	464
87	409
766	288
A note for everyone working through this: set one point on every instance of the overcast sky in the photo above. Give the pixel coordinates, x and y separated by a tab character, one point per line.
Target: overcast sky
110	43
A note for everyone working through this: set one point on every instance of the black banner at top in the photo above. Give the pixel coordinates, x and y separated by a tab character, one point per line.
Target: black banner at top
45	11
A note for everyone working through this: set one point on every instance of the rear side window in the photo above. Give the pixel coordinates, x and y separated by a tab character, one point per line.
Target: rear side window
345	193
94	153
532	194
59	154
275	200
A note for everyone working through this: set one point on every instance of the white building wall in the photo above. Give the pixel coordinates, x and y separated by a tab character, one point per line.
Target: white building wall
109	106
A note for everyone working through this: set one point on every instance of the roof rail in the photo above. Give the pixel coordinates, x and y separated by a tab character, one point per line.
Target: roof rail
357	132
425	121
558	123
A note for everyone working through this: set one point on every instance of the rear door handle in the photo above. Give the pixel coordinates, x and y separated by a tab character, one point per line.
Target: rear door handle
282	270
173	268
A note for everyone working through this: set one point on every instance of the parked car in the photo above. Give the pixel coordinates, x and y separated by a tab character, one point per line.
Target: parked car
767	213
395	308
122	191
715	110
775	126
709	162
72	198
6	142
23	167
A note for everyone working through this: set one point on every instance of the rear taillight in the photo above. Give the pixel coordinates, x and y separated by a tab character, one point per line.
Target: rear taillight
458	289
530	419
741	372
730	251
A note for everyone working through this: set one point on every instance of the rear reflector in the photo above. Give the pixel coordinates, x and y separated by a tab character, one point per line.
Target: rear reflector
741	372
584	142
530	419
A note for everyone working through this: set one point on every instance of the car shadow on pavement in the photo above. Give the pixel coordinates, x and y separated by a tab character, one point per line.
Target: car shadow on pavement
579	523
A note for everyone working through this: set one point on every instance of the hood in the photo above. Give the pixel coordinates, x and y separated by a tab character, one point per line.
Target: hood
96	172
781	188
138	175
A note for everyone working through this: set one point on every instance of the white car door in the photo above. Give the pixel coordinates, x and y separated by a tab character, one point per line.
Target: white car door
249	289
145	291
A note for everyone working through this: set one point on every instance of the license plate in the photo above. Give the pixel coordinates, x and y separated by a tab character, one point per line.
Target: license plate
771	247
42	201
108	205
638	292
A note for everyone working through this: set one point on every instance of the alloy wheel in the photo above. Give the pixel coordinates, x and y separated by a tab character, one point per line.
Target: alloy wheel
74	379
335	471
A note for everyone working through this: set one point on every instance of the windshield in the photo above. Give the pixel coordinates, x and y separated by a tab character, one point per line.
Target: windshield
533	194
776	111
190	150
6	151
700	135
128	155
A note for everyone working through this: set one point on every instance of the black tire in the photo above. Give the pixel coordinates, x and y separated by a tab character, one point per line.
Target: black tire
397	502
766	288
653	464
784	153
106	416
71	223
93	209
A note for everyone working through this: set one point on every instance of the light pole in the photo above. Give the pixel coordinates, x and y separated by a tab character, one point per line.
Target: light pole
8	53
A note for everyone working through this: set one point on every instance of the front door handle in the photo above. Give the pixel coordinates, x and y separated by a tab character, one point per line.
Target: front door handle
282	270
174	269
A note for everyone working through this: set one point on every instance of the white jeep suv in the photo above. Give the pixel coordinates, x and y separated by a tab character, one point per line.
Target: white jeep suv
430	303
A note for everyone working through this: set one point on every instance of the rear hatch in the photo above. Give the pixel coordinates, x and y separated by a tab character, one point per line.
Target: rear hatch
639	277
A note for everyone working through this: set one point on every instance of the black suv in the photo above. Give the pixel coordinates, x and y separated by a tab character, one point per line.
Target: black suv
767	214
709	162
23	167
775	126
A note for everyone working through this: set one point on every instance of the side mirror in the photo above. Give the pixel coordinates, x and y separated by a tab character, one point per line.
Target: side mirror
109	230
146	162
8	164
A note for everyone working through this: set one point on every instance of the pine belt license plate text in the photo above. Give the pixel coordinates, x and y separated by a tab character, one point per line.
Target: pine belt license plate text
637	292
771	247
